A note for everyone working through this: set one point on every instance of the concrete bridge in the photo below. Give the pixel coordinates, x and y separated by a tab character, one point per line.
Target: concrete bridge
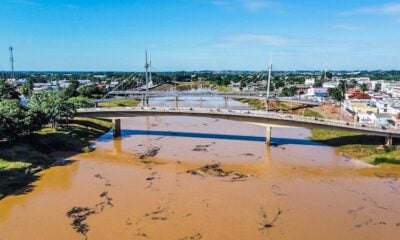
264	117
248	95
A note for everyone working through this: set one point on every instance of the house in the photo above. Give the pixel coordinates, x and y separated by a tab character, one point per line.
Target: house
329	85
359	106
382	106
383	119
319	94
377	86
355	93
396	120
366	118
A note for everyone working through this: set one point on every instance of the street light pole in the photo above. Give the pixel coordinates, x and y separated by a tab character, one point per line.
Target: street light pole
146	66
269	81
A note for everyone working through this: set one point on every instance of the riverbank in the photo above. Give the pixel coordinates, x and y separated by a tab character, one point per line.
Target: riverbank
22	160
369	149
120	103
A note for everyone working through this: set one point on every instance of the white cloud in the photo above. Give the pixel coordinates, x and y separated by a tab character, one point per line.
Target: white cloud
387	9
255	5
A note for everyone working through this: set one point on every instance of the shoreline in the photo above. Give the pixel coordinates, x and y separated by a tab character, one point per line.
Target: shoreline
23	160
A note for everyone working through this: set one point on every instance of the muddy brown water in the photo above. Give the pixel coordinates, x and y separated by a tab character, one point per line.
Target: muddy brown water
152	184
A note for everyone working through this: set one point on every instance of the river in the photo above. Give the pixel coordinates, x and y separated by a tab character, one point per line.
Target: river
202	178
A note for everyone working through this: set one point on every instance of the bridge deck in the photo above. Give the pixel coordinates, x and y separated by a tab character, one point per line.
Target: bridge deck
242	115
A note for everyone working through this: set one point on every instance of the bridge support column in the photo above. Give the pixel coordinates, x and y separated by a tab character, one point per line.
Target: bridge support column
116	123
389	140
96	105
268	135
176	102
226	102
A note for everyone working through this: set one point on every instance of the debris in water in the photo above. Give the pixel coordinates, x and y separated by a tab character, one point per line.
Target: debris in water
268	224
215	170
150	153
203	148
79	215
196	236
101	177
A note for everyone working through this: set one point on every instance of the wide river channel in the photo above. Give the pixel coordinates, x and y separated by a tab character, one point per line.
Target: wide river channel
201	178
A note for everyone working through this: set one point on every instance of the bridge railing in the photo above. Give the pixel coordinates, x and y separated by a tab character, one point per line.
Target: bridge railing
253	113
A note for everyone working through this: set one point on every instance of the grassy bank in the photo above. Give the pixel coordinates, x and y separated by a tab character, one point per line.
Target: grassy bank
21	160
120	103
253	103
366	148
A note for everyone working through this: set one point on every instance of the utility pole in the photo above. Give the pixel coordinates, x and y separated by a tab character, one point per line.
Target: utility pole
151	79
12	61
269	81
146	66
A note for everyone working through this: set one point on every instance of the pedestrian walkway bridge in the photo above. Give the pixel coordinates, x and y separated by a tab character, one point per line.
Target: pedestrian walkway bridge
201	94
264	117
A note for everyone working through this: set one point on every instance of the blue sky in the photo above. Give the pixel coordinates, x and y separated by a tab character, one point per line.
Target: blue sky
104	35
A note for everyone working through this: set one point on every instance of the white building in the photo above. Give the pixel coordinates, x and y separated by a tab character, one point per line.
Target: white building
309	81
330	85
366	118
383	106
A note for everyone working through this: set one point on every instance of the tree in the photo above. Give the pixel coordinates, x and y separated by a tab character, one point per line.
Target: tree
318	83
89	91
81	102
53	105
342	88
12	116
364	87
7	91
27	88
288	91
71	90
335	94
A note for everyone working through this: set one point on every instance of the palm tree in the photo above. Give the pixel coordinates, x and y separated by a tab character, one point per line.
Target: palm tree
364	87
343	88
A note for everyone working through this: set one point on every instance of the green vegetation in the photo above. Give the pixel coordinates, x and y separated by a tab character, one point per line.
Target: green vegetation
120	103
27	146
365	148
224	89
254	103
21	160
310	113
288	91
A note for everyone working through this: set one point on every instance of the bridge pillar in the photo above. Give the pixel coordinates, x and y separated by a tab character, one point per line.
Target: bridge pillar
96	105
268	135
226	102
176	102
389	140
116	124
